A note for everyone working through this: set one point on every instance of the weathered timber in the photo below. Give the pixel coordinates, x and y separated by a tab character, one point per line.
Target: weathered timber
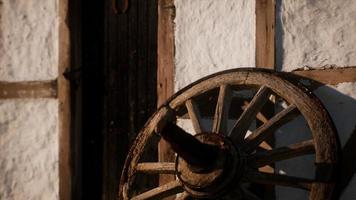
332	76
222	110
165	70
268	128
283	153
265	34
160	168
194	115
241	126
28	89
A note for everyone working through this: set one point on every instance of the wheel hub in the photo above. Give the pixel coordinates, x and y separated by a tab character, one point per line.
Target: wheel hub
214	180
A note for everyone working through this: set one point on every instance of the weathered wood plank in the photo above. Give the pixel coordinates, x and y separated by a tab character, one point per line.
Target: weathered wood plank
194	115
331	76
156	167
268	128
222	110
282	153
130	67
63	91
165	71
241	126
28	89
265	34
165	50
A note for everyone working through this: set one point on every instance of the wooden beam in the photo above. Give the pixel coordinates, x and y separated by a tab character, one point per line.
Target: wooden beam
265	34
332	76
165	71
64	115
265	58
165	50
28	89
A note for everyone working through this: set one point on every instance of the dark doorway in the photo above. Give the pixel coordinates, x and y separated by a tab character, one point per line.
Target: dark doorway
114	67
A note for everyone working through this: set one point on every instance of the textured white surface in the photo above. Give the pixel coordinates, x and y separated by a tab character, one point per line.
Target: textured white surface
317	33
211	36
29	149
28	40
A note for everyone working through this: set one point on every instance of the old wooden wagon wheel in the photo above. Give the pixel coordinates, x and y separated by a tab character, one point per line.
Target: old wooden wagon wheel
221	163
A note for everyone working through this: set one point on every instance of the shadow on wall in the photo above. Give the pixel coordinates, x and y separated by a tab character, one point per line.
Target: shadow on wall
340	102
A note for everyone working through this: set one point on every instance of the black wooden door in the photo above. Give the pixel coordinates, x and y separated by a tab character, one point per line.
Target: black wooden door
118	65
130	69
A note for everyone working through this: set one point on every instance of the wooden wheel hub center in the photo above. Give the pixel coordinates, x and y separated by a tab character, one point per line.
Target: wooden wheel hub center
212	180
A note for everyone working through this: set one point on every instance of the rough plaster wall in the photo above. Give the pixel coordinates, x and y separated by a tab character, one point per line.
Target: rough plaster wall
28	149
316	33
211	36
28	40
28	127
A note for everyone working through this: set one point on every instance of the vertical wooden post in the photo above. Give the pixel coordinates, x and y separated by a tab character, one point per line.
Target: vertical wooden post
265	33
65	175
265	58
165	70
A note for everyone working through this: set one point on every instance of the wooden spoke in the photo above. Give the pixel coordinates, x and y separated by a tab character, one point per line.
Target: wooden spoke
278	179
183	196
166	190
283	153
268	128
156	167
194	115
241	126
259	115
222	110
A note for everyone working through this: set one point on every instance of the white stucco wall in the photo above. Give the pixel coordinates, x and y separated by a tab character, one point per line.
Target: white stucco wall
316	33
28	149
211	36
28	127
28	40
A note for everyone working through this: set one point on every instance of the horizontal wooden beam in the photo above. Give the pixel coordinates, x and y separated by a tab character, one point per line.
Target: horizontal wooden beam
332	76
28	89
